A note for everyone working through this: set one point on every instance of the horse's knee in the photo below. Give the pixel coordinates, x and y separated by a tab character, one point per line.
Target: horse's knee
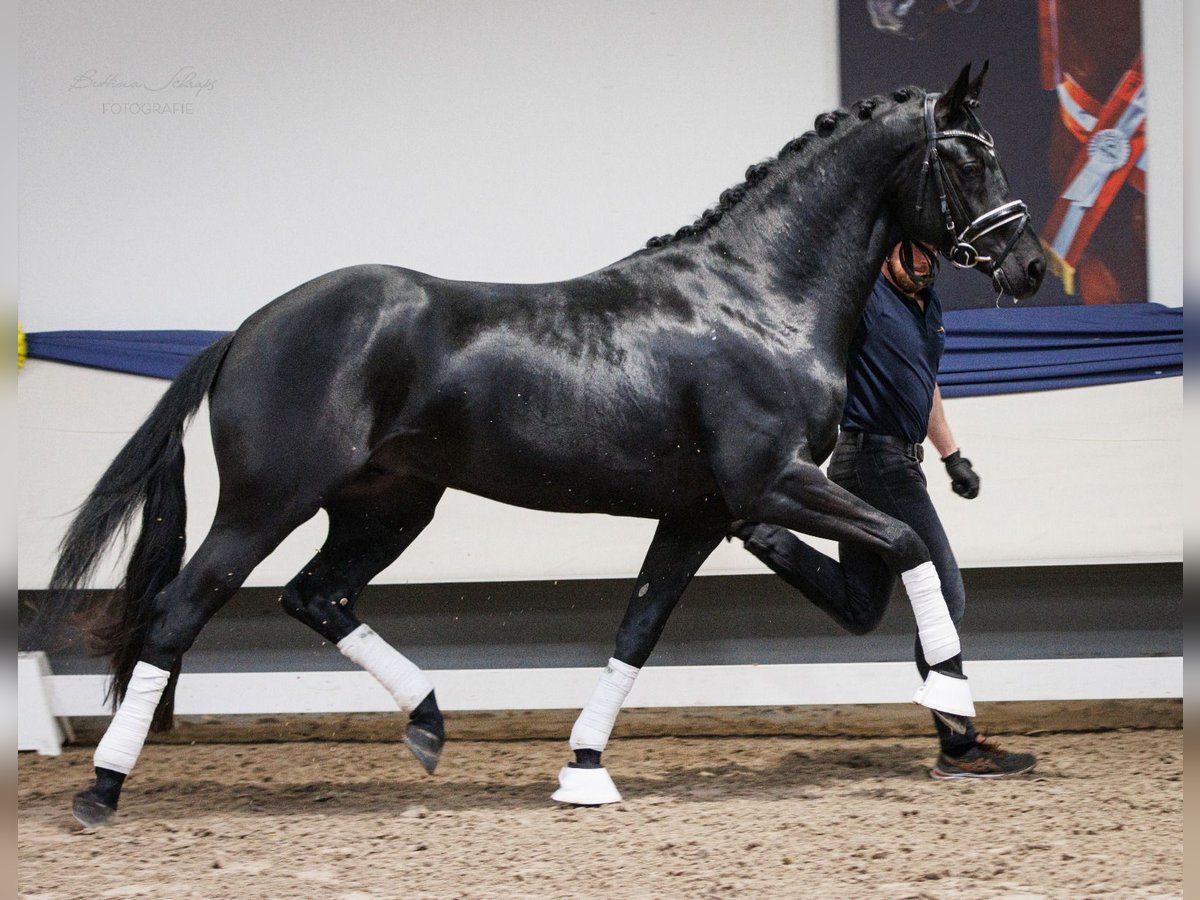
905	546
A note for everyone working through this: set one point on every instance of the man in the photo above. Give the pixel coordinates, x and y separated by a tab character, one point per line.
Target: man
892	405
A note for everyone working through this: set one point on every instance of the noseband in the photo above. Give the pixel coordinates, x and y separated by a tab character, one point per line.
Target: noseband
964	254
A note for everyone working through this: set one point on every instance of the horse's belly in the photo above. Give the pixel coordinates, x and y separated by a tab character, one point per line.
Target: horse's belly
561	472
650	494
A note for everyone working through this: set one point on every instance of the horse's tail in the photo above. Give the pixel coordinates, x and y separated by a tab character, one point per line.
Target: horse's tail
147	473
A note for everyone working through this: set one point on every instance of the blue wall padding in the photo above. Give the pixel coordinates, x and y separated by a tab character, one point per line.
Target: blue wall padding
992	351
157	353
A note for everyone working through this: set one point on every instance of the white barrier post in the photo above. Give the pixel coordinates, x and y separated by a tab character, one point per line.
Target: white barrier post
37	726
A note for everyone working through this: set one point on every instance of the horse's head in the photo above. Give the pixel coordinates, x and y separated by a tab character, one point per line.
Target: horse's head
960	202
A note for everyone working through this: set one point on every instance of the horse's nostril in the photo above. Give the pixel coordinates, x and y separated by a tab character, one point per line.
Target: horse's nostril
1036	270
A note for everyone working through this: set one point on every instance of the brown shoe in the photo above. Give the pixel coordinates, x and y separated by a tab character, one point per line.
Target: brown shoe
985	760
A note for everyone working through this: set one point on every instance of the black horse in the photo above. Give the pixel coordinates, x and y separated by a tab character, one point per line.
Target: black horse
698	382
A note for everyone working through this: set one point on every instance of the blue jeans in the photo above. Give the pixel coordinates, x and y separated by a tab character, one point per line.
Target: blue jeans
855	591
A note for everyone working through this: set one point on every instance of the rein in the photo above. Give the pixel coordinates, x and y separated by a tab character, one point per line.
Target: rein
964	254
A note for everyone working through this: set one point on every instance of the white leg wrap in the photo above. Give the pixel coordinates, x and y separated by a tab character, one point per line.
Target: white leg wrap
122	742
595	723
939	637
407	684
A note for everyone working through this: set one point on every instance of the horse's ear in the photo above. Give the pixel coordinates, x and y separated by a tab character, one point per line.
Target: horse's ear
976	86
950	104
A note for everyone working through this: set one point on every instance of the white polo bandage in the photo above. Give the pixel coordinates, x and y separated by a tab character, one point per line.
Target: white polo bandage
595	723
939	637
122	743
407	684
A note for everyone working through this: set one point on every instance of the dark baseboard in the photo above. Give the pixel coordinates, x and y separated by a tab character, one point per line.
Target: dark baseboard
1012	613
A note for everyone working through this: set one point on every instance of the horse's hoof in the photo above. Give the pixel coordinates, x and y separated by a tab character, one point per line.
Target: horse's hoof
90	811
425	746
585	787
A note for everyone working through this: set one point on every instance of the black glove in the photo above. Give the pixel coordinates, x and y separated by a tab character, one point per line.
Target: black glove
962	477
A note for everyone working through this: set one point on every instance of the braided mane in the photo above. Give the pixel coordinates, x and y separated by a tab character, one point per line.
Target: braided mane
825	125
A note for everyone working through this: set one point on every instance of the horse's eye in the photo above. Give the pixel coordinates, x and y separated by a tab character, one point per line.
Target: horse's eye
972	170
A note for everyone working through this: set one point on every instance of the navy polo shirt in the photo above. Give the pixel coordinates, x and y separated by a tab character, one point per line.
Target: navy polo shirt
892	369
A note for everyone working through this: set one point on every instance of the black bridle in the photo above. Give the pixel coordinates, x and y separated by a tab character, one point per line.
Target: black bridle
964	254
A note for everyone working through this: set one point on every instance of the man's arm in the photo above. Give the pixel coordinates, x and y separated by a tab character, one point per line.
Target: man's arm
939	429
962	477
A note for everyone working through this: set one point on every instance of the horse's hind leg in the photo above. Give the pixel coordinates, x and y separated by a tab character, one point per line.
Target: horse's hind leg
367	531
675	554
227	555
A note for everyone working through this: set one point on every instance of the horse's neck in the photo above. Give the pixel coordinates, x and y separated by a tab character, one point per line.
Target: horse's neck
820	229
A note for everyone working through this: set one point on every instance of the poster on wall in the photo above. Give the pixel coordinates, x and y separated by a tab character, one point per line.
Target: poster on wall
1066	100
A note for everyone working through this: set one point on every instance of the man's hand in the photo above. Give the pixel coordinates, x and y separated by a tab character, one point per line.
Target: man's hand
962	477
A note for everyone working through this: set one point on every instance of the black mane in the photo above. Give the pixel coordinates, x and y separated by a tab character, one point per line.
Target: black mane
825	125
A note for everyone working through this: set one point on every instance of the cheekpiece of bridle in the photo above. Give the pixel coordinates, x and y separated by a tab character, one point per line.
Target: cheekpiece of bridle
964	254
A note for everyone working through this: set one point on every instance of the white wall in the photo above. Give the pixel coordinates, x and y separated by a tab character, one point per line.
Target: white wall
506	141
498	141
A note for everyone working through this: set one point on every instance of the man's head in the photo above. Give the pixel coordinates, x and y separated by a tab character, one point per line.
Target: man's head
911	266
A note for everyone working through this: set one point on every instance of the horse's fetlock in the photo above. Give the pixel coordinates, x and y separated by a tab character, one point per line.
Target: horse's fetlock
427	715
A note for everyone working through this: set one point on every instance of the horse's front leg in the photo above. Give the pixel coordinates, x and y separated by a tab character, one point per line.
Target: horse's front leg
803	499
675	554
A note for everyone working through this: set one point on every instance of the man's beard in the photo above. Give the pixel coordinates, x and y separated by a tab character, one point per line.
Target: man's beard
899	265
